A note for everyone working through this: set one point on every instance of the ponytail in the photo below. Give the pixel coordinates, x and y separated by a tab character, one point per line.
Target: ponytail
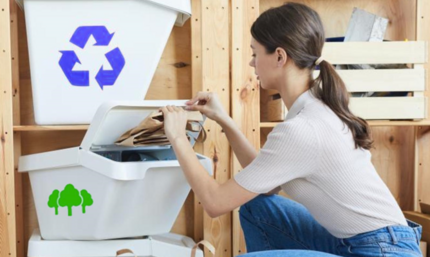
331	89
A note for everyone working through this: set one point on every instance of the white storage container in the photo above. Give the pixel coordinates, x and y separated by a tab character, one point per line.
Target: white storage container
154	246
83	53
81	195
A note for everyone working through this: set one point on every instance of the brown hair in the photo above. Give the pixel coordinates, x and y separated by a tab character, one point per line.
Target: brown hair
299	31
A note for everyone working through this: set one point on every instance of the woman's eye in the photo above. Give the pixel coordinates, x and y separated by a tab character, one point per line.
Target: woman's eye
253	55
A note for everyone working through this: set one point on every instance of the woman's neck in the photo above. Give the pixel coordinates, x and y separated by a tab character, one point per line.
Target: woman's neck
295	83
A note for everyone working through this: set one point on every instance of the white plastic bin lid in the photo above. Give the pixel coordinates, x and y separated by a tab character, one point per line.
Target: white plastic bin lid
112	119
182	6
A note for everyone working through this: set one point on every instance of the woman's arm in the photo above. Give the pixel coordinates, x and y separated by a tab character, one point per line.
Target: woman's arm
242	148
217	199
209	104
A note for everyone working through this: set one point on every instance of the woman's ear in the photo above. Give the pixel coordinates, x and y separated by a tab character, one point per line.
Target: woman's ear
282	56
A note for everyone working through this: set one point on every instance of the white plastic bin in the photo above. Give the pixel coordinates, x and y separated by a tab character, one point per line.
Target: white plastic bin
98	198
83	53
153	246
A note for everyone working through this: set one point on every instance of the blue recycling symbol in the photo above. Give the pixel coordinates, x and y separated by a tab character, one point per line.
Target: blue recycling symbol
82	78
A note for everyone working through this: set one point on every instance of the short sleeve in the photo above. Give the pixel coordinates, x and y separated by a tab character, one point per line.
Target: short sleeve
290	152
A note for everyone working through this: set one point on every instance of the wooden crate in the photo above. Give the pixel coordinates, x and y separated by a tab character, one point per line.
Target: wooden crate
413	107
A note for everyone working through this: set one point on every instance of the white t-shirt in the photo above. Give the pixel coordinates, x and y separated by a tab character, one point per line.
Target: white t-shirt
312	156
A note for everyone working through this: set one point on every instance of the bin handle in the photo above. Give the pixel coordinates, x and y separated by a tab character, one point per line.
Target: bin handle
123	251
205	243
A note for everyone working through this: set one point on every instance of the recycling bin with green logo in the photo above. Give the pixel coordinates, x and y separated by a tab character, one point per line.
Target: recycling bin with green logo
83	53
81	194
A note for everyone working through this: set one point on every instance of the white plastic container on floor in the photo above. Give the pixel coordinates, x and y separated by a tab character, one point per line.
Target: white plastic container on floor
81	195
83	53
153	246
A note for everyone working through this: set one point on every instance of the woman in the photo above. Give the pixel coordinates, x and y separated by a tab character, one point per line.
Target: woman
319	156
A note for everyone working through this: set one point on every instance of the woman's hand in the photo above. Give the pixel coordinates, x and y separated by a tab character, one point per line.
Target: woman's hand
209	105
175	121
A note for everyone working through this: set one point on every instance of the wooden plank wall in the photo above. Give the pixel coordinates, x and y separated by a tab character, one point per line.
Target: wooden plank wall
197	82
7	186
245	94
216	78
16	121
423	133
175	78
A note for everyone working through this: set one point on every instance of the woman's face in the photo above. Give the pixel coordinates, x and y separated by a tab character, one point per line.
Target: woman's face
264	64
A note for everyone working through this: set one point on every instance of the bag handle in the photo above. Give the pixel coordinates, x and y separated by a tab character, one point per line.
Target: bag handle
205	243
123	251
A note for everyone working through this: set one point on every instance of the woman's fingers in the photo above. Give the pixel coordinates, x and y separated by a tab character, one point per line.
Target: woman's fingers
195	108
163	109
171	108
200	96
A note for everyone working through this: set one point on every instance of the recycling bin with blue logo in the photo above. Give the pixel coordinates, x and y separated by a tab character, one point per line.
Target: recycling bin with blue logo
81	194
83	53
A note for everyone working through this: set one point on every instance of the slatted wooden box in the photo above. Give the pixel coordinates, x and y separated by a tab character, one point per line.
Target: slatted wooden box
413	80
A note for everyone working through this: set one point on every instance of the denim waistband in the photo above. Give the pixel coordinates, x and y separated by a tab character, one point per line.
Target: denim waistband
387	234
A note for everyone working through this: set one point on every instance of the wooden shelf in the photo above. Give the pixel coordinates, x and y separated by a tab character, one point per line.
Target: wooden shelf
372	123
50	128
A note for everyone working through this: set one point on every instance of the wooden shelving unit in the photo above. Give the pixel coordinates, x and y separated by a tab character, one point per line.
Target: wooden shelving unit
29	128
210	53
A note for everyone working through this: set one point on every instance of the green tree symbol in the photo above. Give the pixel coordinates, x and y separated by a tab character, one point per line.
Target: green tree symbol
53	200
70	197
87	200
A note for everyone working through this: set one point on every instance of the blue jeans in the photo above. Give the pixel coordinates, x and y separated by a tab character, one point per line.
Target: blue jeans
275	226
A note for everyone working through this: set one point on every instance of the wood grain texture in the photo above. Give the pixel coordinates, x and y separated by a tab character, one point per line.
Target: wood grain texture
216	78
172	79
423	165
393	158
49	128
7	174
335	15
19	216
196	85
422	168
245	96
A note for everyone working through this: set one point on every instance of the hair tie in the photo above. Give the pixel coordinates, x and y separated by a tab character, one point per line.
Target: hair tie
319	60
